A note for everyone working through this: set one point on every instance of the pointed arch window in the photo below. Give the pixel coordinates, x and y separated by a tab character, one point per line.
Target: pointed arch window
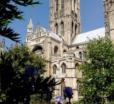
54	69
80	55
63	66
55	50
56	5
62	28
62	7
75	29
72	28
56	28
74	5
76	16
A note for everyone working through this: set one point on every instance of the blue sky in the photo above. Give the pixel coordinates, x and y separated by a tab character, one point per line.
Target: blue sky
91	17
92	14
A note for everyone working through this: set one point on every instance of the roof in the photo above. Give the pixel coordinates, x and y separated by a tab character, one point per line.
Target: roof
85	37
47	33
54	36
30	25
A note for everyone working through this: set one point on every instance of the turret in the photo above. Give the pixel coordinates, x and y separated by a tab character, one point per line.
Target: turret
29	30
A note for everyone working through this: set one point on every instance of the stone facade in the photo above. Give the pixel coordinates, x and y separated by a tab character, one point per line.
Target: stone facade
63	45
109	18
65	18
63	59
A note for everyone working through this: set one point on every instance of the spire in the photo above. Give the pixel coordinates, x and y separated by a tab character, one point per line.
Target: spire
30	25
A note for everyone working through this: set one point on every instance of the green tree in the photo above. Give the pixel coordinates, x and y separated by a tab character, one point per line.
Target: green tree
98	73
45	88
21	76
9	10
19	68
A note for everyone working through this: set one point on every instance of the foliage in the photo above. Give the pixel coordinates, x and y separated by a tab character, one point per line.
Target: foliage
76	102
9	10
19	65
98	73
35	99
45	88
21	75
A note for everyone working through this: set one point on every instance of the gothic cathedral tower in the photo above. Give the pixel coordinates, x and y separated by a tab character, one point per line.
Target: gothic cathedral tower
109	18
65	18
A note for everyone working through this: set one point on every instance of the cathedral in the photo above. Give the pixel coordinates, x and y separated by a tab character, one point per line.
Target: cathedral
63	44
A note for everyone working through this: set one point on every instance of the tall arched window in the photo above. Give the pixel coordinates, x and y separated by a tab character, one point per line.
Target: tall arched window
55	50
62	7
56	5
72	28
54	69
76	16
63	66
56	28
80	55
75	29
62	28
